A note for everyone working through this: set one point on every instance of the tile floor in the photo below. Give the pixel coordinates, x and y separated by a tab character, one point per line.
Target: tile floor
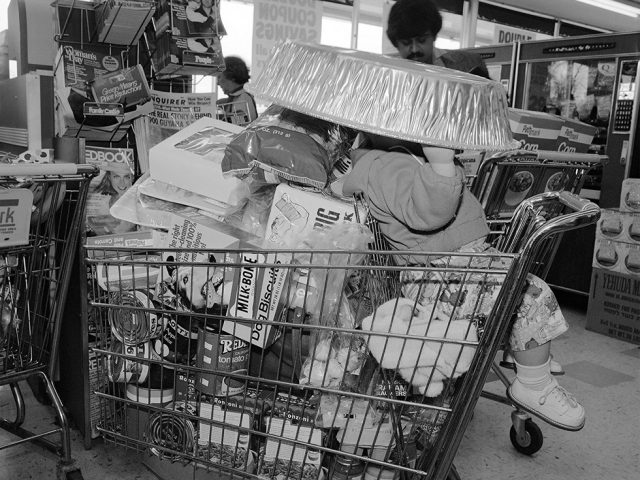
604	373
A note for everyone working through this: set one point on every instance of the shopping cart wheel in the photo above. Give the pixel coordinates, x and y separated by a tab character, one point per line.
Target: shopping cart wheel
530	440
68	472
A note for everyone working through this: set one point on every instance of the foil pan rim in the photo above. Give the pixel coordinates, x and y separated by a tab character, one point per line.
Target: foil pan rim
379	131
387	96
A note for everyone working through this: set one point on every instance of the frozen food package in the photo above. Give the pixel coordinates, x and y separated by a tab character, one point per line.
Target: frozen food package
286	145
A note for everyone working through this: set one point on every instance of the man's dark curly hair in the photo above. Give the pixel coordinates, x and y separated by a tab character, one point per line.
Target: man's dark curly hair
236	70
412	18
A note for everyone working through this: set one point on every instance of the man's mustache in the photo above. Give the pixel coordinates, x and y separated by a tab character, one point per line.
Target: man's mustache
414	55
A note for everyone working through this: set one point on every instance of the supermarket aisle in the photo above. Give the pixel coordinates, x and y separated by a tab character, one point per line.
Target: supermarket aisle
602	372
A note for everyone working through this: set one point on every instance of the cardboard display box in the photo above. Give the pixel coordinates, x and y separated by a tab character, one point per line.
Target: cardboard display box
575	136
614	305
535	130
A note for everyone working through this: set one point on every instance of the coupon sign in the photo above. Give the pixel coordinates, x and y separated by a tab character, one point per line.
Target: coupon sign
15	216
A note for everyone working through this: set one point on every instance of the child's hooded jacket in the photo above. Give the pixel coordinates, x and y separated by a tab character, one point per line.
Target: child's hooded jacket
417	209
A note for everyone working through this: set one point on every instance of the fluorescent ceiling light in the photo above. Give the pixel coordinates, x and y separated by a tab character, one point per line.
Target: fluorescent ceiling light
613	6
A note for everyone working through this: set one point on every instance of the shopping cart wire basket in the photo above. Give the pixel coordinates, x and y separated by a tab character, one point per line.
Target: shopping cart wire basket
303	364
41	208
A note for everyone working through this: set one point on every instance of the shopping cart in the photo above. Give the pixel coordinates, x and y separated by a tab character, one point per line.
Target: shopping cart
41	207
300	364
504	179
236	112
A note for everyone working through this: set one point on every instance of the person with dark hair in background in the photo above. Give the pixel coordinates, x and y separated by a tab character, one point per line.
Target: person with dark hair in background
412	28
238	107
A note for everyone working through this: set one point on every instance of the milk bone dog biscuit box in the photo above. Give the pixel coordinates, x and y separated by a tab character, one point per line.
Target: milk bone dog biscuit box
535	130
256	296
575	136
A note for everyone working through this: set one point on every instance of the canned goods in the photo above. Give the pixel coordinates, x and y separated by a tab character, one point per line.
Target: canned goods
173	430
129	370
178	342
157	389
222	353
132	326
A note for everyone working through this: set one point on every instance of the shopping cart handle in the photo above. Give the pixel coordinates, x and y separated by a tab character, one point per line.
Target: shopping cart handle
575	202
46	169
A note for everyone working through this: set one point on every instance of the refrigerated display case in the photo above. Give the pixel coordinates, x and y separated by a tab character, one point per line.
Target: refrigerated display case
593	79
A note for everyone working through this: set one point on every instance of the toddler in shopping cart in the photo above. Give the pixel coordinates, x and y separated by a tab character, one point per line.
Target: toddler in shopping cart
418	196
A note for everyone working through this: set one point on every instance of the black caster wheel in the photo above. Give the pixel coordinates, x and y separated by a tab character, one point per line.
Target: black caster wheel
68	472
532	441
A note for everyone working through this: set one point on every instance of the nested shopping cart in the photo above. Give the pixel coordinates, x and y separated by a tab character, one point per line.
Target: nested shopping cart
304	364
504	179
234	111
41	208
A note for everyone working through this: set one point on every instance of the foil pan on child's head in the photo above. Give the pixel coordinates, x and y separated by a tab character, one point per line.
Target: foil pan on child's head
387	96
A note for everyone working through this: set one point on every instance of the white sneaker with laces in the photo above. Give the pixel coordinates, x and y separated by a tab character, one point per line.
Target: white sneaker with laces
553	404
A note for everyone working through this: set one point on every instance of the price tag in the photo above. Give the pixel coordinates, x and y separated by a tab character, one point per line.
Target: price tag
15	216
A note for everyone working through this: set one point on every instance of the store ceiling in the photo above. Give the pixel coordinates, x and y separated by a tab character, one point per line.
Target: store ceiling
581	13
569	10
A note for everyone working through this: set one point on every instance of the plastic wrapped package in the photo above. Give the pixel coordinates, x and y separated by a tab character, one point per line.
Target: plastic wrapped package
146	211
170	193
285	145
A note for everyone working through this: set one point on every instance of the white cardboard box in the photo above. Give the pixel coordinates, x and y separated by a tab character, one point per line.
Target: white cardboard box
191	159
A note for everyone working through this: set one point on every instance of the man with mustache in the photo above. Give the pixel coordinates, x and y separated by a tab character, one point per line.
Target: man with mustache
412	28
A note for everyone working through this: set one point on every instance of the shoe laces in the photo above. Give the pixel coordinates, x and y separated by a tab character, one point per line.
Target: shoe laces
561	394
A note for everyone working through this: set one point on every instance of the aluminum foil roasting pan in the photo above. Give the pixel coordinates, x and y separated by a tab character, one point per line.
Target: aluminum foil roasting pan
387	96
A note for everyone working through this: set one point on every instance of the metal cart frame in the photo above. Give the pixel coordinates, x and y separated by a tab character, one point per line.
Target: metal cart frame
35	280
188	431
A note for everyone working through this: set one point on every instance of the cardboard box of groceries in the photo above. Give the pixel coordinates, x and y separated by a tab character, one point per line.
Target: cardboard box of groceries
535	130
575	136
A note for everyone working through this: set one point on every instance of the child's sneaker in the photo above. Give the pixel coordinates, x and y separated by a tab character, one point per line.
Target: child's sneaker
553	404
